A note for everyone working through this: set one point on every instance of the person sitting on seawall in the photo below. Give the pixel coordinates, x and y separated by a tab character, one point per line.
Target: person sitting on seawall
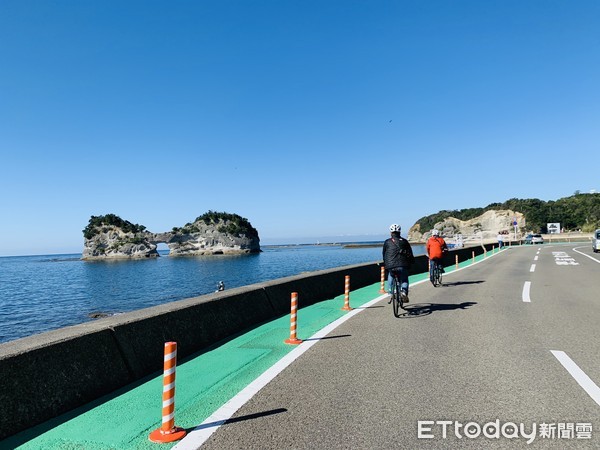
397	258
435	248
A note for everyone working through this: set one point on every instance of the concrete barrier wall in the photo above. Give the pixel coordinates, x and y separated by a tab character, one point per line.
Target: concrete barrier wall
49	374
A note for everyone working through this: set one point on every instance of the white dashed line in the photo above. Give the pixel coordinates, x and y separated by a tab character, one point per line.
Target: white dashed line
532	269
526	289
584	381
536	258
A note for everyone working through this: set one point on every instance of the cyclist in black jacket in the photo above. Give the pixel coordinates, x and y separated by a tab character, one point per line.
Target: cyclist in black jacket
397	258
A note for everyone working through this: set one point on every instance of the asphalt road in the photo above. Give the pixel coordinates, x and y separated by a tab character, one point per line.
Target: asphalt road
477	351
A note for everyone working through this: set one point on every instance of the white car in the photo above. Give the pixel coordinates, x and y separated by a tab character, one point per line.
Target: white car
537	239
596	241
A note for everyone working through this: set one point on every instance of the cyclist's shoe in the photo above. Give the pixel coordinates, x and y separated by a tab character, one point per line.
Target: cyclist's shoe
404	296
442	270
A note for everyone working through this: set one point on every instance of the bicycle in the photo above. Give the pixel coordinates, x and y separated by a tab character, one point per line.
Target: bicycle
436	273
398	297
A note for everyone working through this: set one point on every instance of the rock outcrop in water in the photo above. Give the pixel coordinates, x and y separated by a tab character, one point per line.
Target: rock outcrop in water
213	233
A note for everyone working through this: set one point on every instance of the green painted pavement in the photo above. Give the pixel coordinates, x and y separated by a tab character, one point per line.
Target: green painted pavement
205	382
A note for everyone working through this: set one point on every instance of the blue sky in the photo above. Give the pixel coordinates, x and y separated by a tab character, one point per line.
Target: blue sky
313	119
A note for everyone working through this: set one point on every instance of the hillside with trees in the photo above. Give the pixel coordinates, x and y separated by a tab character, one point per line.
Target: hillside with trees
577	212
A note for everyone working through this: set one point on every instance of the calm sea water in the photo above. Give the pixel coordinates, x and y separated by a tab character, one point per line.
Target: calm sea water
42	293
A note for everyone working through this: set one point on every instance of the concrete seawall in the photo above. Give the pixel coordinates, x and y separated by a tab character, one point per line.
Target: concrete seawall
46	375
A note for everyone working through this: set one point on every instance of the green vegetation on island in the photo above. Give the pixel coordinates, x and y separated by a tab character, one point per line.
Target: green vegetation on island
577	212
232	224
100	222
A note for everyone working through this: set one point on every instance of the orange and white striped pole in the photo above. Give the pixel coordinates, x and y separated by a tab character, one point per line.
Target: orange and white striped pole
456	258
293	339
382	288
473	255
168	432
347	294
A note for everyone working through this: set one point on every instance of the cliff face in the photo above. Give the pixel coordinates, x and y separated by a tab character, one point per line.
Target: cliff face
489	224
212	236
209	239
111	242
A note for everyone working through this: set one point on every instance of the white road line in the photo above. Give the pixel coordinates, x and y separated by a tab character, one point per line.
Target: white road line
581	253
532	269
202	432
536	258
526	289
584	381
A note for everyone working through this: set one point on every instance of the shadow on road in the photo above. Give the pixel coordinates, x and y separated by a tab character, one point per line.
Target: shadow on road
239	419
424	309
460	283
327	337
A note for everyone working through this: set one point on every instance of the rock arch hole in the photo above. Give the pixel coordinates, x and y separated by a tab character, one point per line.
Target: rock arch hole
162	248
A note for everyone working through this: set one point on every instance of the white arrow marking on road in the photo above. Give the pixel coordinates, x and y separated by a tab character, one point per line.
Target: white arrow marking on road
584	381
588	256
526	289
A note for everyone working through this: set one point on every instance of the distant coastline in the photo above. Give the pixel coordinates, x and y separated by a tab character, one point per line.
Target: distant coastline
367	244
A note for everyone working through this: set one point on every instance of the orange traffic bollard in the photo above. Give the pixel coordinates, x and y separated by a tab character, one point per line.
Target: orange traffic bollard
473	255
382	288
168	432
347	294
293	339
456	257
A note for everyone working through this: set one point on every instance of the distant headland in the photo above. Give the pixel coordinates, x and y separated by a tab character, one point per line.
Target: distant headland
213	233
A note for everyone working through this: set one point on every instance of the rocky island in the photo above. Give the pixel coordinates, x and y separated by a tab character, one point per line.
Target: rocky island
213	233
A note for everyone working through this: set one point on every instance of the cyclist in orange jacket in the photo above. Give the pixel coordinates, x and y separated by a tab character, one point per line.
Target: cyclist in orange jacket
436	248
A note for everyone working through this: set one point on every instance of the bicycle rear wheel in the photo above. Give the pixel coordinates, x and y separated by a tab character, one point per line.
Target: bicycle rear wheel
396	300
432	272
438	275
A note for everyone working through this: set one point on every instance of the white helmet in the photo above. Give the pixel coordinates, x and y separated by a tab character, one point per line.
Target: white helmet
435	233
395	228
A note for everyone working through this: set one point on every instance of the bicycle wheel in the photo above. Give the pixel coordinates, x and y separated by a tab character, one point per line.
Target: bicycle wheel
396	297
433	273
436	275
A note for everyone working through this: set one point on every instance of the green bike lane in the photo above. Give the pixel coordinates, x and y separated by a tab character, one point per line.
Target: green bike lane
204	383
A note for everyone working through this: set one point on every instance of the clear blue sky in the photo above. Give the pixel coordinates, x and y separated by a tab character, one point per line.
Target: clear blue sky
313	118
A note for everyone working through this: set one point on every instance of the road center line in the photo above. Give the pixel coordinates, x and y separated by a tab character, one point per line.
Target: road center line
532	269
584	381
526	289
536	258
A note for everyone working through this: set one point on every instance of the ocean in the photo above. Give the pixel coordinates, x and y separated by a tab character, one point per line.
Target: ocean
42	293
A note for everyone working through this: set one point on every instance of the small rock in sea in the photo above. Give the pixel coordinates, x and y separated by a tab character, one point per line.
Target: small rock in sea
98	315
